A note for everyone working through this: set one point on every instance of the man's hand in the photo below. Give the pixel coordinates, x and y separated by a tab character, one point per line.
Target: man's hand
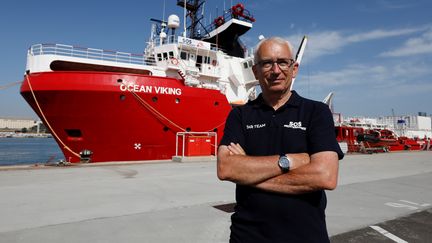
235	148
307	173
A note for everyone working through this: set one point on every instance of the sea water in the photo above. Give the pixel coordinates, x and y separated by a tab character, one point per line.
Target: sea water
15	151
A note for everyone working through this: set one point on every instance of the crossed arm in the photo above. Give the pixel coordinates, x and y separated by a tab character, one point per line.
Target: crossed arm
308	173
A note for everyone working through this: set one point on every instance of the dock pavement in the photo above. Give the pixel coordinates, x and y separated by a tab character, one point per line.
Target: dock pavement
379	198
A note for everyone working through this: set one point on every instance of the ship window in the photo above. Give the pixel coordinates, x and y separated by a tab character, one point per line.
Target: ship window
165	55
75	133
250	63
245	65
183	55
207	59
171	54
159	56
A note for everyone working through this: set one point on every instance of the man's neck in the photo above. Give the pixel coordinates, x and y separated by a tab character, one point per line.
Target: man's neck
276	100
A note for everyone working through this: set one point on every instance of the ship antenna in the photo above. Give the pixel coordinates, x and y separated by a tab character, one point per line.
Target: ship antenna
184	19
163	13
299	55
202	13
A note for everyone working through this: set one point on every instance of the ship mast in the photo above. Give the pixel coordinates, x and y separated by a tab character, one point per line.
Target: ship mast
192	7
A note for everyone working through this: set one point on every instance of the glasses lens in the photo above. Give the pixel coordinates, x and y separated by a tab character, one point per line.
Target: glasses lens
284	64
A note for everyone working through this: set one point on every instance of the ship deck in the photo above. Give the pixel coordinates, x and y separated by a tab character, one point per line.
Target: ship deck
164	201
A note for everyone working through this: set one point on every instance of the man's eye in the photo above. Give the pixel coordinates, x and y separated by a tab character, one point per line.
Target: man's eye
282	63
267	63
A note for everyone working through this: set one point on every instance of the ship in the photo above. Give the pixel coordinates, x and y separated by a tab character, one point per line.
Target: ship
367	135
356	136
105	105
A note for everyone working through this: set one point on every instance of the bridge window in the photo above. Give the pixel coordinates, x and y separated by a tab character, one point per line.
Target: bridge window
171	54
159	57
183	55
207	59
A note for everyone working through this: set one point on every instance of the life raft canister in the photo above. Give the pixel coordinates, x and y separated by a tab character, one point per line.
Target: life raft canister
238	9
219	21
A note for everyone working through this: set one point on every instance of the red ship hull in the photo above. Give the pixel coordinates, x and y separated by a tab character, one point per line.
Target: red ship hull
122	117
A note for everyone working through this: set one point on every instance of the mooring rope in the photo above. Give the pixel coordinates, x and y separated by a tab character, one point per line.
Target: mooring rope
9	85
46	121
159	115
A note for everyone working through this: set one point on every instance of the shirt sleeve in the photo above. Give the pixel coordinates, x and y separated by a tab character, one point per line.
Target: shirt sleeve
233	129
322	136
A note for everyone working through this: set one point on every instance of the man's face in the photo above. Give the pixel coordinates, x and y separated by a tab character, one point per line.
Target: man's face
275	68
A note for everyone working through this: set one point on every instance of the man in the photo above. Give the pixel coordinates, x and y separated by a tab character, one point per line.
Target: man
281	152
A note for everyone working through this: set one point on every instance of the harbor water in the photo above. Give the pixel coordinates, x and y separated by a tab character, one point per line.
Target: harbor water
16	151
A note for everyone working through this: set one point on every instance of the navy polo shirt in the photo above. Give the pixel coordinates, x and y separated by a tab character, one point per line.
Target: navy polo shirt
299	126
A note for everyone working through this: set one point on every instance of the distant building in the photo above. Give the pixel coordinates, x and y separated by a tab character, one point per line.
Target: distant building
412	126
415	126
16	123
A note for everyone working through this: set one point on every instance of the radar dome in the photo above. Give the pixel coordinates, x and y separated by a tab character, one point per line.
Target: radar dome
173	21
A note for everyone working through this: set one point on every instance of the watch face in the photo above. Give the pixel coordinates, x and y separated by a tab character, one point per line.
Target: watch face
284	163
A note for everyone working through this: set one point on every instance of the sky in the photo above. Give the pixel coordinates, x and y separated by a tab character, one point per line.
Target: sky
375	55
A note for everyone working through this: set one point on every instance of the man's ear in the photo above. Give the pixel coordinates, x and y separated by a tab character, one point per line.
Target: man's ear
255	71
295	69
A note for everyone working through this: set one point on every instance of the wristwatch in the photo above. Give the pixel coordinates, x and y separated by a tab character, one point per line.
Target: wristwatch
284	163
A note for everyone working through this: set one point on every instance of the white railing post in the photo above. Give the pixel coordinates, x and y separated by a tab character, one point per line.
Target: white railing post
183	147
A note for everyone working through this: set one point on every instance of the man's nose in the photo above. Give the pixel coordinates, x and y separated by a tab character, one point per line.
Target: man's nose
275	68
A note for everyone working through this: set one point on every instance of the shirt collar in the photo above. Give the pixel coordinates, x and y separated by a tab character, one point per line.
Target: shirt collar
294	101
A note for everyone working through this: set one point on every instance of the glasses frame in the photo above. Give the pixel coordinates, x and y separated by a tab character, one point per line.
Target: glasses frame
261	63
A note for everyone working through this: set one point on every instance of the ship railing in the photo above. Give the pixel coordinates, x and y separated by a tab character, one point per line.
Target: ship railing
227	16
90	53
172	39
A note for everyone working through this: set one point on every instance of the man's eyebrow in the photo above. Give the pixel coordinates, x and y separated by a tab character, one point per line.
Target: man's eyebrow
278	59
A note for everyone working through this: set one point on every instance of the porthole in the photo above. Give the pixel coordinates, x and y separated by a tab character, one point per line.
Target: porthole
216	103
154	99
215	130
188	129
119	80
177	100
122	97
165	129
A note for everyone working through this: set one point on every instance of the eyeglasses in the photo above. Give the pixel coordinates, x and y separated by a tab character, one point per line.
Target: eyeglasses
283	64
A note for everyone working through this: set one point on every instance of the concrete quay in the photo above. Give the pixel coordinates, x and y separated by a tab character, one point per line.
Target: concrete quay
168	201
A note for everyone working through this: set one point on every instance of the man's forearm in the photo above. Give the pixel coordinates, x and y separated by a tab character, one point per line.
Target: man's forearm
247	170
320	174
234	165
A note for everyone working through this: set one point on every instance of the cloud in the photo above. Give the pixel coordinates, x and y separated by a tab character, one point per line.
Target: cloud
384	78
371	89
413	46
380	34
331	42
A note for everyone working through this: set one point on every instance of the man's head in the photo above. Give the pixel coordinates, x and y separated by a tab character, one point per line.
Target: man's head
274	65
